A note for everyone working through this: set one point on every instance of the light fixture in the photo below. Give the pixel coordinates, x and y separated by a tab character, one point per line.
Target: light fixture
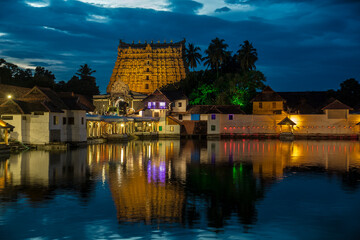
9	96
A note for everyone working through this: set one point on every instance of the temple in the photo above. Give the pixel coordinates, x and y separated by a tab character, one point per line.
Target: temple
144	67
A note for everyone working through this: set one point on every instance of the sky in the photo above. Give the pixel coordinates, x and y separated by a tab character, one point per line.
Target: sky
302	45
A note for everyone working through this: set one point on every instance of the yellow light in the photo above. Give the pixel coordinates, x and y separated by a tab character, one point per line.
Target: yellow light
122	125
9	96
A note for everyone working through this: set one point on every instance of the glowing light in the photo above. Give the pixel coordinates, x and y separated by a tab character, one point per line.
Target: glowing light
122	125
9	96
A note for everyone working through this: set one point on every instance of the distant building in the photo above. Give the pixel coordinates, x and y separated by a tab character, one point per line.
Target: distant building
42	116
144	67
268	102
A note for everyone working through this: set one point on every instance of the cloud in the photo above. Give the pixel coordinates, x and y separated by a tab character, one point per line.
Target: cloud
300	41
38	4
185	6
97	18
223	9
159	5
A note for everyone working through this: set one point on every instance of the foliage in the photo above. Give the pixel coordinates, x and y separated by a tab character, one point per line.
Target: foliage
192	56
231	79
84	83
349	92
204	95
247	56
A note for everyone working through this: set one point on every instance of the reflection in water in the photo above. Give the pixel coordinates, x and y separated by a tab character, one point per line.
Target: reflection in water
36	174
192	183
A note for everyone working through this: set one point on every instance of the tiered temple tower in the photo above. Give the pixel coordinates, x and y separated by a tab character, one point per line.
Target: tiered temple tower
144	67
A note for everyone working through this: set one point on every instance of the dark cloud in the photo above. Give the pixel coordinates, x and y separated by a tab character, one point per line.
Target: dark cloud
223	9
185	6
313	48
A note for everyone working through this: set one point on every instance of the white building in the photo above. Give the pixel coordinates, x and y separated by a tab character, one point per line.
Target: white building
41	116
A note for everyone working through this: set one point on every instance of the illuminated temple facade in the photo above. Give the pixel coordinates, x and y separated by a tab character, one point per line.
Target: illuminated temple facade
144	67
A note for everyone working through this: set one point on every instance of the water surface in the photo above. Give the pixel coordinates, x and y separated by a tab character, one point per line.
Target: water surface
176	189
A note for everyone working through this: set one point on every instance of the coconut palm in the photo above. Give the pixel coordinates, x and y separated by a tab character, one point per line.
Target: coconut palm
216	54
192	56
248	56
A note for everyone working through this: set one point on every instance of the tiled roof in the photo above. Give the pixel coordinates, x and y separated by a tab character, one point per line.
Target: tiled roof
337	105
174	95
219	109
21	107
14	91
267	95
156	96
306	102
5	125
286	121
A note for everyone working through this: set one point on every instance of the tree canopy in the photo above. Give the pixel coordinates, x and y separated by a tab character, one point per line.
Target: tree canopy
83	83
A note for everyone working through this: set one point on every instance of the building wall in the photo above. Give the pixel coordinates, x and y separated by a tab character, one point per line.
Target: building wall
315	124
267	107
38	129
176	107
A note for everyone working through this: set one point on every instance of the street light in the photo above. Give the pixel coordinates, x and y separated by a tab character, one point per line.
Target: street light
9	96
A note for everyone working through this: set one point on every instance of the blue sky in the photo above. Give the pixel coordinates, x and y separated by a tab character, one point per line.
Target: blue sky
302	45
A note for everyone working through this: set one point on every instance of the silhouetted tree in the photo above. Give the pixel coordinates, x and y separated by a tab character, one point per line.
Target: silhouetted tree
248	56
216	54
192	56
83	83
44	78
349	92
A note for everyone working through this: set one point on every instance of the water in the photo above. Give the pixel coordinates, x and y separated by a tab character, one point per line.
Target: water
182	189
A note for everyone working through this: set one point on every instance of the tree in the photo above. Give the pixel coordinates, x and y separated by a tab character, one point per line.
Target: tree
349	92
192	56
204	95
83	83
44	78
216	54
248	56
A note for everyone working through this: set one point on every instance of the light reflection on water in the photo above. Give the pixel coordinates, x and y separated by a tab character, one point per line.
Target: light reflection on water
251	189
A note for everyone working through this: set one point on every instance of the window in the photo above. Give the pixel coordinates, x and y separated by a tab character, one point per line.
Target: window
82	121
213	127
162	105
146	86
24	118
7	117
156	114
147	77
231	116
149	105
260	104
179	104
153	105
171	128
213	116
160	128
148	70
274	104
55	120
64	120
180	116
71	121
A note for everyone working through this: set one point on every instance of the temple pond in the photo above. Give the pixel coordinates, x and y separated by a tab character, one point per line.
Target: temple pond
184	189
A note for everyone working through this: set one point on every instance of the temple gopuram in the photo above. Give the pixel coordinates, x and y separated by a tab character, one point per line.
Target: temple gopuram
144	67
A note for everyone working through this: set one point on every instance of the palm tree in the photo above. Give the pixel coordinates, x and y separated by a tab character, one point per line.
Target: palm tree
192	56
248	56
216	54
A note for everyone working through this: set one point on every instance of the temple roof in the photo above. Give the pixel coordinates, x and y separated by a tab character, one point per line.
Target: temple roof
337	105
151	44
